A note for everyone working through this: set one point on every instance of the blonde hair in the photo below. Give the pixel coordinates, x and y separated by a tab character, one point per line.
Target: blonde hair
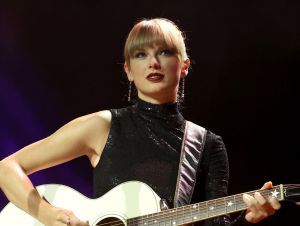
157	31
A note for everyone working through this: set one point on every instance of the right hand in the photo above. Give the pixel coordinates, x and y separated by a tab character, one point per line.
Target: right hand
64	217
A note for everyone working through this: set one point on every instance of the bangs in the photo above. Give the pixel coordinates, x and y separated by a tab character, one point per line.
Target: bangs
149	36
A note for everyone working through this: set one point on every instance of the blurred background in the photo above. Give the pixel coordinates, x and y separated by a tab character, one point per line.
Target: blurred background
63	59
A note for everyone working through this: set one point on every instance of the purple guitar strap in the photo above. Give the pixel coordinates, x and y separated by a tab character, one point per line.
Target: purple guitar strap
191	153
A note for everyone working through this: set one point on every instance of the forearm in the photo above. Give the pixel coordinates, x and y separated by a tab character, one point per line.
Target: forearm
19	190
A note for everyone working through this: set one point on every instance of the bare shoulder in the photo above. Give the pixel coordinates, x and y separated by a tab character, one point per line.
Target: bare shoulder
100	116
104	115
94	129
99	121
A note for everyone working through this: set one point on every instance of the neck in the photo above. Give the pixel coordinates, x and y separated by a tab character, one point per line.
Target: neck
158	100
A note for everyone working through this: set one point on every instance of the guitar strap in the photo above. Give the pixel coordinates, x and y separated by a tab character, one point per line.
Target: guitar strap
191	153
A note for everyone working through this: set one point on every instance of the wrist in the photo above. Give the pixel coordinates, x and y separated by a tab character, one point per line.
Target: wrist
47	213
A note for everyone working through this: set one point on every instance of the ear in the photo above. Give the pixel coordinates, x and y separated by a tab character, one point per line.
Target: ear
185	68
127	70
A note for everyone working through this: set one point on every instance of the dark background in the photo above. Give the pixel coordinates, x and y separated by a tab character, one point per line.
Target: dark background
63	59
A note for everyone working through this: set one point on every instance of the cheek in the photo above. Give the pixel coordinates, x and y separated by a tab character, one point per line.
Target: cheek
174	67
137	69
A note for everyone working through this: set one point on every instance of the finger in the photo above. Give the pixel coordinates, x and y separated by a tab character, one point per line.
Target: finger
261	200
267	185
74	221
250	201
86	223
83	223
64	219
266	206
252	204
274	203
68	220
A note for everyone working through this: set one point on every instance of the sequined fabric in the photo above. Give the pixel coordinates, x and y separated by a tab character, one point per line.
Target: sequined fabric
144	144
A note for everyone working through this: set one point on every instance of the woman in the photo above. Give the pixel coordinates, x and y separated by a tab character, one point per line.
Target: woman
141	142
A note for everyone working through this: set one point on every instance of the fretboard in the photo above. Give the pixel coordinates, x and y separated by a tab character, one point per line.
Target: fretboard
201	211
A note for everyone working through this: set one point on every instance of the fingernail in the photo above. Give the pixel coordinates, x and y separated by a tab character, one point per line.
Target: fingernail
246	198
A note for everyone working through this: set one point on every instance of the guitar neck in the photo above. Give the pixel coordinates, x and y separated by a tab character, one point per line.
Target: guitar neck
203	210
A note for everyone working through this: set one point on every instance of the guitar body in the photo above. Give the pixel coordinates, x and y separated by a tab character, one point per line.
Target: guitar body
128	200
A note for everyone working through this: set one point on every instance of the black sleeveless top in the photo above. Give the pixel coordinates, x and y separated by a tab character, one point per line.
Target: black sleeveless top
144	144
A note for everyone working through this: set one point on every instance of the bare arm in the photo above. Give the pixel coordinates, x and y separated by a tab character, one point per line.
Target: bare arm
83	136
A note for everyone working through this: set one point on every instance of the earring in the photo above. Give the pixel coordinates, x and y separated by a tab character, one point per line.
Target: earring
129	92
182	90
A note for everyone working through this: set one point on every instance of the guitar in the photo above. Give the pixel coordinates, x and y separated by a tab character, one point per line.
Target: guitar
134	203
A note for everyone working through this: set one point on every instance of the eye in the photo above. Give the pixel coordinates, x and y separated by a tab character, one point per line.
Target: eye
167	52
139	54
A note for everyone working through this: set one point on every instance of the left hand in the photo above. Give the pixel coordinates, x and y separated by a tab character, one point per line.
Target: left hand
258	207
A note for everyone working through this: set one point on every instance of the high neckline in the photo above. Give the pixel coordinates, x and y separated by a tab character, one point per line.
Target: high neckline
167	108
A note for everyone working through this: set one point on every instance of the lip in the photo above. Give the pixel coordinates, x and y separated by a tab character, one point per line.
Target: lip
155	77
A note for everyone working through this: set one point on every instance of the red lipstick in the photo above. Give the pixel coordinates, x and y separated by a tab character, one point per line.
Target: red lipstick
155	77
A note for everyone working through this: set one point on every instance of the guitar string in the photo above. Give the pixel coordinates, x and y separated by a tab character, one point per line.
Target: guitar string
180	211
141	219
168	214
222	207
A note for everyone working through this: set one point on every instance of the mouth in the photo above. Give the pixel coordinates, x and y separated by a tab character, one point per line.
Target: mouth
155	77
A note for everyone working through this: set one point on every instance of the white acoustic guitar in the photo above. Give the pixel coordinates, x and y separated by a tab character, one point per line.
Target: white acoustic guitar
135	204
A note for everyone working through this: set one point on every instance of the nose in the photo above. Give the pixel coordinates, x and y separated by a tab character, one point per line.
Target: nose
154	62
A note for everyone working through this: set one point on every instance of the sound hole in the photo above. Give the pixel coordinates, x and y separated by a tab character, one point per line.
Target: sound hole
110	221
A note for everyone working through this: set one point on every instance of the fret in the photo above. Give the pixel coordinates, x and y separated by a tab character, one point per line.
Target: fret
161	218
195	210
131	222
174	220
162	223
154	223
239	202
137	221
182	215
168	217
145	220
215	207
211	208
199	212
153	219
206	209
220	206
